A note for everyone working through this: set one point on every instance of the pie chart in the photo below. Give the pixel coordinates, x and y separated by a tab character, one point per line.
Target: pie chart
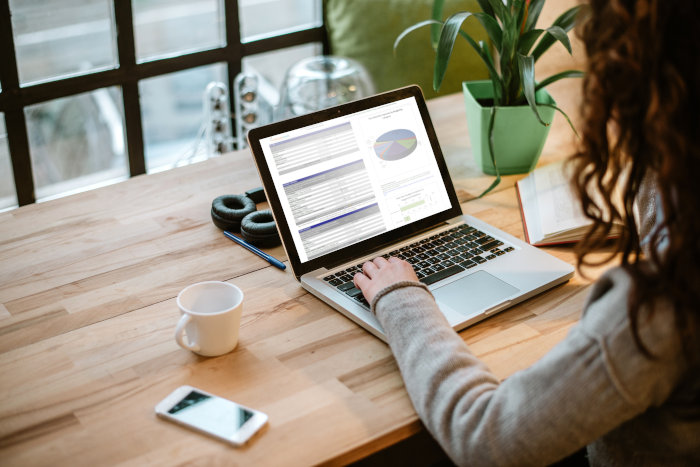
395	144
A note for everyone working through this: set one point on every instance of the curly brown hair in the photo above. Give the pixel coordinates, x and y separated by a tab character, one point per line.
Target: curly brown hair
640	117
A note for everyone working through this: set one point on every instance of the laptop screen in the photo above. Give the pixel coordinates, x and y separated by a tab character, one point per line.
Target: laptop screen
354	177
342	180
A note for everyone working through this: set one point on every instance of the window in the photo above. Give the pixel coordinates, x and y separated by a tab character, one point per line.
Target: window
82	106
77	142
8	198
54	41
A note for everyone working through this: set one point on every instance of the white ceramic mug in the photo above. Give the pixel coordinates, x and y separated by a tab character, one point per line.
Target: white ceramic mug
211	316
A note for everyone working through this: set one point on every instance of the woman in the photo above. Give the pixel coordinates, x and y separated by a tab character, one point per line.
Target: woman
626	380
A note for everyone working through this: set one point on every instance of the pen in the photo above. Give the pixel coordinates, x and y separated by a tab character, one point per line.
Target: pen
275	262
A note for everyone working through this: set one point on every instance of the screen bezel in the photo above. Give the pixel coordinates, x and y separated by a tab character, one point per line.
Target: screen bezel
371	244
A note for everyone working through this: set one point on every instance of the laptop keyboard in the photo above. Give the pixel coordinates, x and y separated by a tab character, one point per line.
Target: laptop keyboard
433	258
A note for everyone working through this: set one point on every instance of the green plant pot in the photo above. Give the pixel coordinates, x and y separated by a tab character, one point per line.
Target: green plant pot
518	137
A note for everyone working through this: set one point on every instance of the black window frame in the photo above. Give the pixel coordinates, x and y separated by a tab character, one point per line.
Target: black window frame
127	75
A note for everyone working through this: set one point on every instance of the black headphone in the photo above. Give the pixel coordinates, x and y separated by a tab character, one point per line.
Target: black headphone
236	213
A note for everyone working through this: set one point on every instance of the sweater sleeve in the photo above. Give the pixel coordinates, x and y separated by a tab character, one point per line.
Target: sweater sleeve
539	415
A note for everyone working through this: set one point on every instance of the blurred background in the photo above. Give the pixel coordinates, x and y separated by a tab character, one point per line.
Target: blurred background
82	107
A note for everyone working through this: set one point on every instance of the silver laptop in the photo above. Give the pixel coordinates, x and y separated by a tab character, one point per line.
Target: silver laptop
367	178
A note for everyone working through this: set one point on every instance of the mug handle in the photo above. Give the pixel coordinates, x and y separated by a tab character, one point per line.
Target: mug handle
180	334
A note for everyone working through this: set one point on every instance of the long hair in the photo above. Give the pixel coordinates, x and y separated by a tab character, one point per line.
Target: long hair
641	116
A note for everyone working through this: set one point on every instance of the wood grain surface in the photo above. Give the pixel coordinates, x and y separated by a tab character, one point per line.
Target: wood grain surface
87	318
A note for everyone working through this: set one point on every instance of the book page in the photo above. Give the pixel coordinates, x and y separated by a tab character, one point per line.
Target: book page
559	209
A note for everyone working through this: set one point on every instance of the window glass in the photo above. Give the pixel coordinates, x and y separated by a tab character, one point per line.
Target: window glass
263	18
59	38
273	65
172	109
8	198
256	97
77	143
170	27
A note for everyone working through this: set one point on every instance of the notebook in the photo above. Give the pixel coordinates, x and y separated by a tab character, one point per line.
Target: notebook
368	178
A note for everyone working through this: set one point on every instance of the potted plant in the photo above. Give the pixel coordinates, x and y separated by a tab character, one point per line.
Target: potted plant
508	116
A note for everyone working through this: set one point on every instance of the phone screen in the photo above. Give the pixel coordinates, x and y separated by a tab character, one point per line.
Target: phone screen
211	413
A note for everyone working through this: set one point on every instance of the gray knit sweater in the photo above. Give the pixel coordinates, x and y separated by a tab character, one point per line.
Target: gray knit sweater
593	389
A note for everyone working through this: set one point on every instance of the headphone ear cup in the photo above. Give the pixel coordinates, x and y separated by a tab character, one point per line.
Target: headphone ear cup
227	211
259	229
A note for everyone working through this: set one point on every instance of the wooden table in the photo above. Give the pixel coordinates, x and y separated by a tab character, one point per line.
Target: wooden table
87	317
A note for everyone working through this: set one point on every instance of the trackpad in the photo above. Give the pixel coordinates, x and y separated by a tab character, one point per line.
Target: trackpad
474	293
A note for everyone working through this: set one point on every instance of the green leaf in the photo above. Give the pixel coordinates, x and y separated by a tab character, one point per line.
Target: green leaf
483	51
527	75
560	35
558	76
533	14
508	64
448	34
565	21
528	39
493	29
486	7
493	154
495	77
437	16
519	13
565	116
412	28
499	10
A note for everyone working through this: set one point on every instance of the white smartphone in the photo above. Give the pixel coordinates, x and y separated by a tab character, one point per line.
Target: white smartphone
212	415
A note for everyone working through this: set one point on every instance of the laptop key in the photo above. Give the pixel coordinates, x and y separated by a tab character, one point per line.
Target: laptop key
353	292
362	301
335	282
447	272
346	286
490	245
484	239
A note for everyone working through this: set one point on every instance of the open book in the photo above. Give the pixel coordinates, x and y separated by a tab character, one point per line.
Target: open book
550	210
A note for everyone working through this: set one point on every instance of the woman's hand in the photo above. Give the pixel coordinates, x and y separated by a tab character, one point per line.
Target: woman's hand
380	273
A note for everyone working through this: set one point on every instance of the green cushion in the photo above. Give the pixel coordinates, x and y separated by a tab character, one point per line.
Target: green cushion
365	30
